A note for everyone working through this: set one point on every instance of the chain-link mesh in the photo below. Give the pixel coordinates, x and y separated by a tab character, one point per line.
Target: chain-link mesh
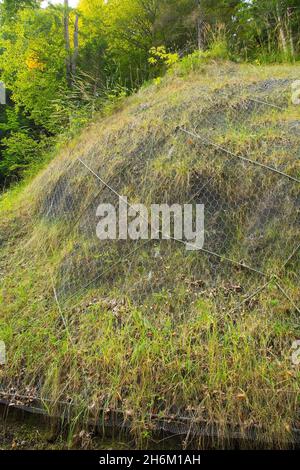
234	151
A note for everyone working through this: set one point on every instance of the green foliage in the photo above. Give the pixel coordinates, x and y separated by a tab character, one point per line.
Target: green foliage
159	55
20	151
33	63
218	50
10	8
189	63
56	86
267	28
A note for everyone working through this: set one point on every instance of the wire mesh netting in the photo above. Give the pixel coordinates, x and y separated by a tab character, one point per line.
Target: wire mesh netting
234	151
213	321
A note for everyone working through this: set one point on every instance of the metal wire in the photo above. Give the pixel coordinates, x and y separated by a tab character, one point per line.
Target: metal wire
249	198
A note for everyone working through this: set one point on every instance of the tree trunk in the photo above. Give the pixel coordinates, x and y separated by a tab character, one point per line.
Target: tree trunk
290	30
67	42
76	47
200	38
200	34
282	36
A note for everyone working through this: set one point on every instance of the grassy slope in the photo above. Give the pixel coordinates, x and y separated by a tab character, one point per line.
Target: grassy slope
165	343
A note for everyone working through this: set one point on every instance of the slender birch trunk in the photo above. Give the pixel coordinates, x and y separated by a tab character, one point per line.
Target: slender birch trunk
200	41
290	30
282	35
67	41
76	46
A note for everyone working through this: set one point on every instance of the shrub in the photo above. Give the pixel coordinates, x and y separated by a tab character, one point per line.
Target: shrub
19	151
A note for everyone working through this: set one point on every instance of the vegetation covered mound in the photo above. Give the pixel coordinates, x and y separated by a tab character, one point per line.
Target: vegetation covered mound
147	328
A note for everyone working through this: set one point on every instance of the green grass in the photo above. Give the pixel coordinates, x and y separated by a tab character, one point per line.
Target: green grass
158	336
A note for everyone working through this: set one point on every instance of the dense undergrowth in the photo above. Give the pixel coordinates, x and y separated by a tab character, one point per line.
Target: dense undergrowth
150	329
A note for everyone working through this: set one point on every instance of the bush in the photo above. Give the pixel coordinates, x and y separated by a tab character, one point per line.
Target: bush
189	63
19	152
218	50
195	61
